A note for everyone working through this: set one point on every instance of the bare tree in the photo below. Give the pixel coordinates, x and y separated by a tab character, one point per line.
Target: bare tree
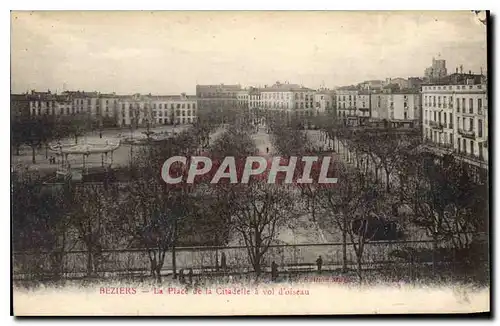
446	200
350	207
149	219
258	211
92	209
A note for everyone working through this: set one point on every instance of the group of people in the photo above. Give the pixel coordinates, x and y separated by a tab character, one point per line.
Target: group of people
52	160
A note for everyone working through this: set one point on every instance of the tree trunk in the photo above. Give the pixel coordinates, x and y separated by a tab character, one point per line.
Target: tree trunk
89	260
387	182
434	253
158	274
217	258
33	150
360	270
344	245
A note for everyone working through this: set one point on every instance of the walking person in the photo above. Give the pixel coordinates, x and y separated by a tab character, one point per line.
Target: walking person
319	263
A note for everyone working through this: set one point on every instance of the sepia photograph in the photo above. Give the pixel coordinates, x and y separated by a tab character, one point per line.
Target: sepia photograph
250	163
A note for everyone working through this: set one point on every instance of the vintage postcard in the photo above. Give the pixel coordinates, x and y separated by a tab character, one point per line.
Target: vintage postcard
249	163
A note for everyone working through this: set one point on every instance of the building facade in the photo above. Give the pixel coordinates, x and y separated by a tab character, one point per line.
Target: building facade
363	104
456	117
173	109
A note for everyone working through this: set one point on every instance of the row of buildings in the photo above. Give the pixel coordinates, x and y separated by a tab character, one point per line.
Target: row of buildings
113	109
451	110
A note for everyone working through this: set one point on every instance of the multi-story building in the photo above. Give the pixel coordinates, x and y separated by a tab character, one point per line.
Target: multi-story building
398	107
323	101
436	71
243	98
221	99
254	98
19	105
134	110
288	100
42	103
379	106
456	117
346	104
173	109
404	107
363	104
64	105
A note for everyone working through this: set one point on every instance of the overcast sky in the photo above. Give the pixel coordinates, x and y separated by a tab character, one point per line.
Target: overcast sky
170	52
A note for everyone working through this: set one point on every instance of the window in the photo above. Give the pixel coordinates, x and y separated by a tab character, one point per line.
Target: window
471	124
464	144
479	104
471	106
434	101
405	115
458	105
189	106
459	147
178	105
444	118
472	147
463	123
463	105
480	128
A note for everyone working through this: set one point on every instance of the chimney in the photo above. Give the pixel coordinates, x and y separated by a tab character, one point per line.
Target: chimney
456	70
461	69
470	73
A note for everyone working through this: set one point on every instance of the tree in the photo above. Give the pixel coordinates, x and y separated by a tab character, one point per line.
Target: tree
34	131
40	222
258	211
75	125
17	133
92	209
351	207
445	199
149	219
234	143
